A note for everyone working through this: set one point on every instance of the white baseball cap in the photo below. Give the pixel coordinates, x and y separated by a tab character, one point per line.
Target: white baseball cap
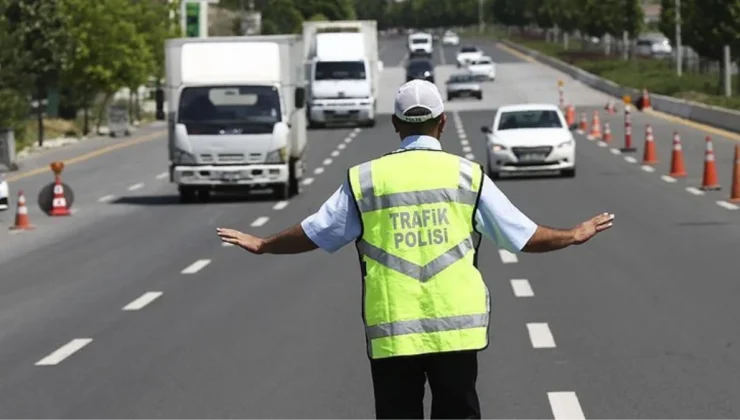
418	93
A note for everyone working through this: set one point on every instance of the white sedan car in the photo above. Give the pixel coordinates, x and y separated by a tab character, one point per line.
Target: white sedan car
483	68
467	55
530	138
3	192
450	38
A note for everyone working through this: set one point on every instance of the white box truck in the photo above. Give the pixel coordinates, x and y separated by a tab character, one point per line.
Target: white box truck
235	114
343	70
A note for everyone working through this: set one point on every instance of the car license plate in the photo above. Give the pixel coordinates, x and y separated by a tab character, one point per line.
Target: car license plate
231	176
532	157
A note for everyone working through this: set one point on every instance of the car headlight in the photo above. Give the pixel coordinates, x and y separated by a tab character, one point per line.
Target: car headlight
566	143
182	157
498	147
277	156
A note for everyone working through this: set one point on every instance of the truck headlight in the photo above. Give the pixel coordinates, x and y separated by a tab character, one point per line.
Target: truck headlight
566	143
277	156
182	157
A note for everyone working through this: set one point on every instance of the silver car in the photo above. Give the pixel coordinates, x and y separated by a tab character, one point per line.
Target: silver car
463	85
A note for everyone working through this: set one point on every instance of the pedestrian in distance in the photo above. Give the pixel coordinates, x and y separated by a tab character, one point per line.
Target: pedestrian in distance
417	215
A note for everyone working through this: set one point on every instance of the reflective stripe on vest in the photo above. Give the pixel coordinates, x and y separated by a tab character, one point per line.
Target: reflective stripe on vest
414	331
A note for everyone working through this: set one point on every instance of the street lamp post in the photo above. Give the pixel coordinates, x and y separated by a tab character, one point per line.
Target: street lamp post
679	53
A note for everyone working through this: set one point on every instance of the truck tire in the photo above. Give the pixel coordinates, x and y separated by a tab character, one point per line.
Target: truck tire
187	194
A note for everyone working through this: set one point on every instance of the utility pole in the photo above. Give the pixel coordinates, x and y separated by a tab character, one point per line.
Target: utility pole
679	53
480	16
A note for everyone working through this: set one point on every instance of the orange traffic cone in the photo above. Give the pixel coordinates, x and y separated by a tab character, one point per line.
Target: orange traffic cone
650	156
570	115
646	99
595	126
735	193
607	133
710	181
21	215
59	204
584	122
678	169
610	108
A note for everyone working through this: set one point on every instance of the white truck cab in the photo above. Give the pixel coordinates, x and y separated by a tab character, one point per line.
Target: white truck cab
420	44
234	119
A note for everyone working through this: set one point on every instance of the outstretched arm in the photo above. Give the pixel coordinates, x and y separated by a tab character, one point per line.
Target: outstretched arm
547	239
290	241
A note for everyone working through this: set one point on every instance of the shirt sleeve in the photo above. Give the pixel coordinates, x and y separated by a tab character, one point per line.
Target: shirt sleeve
336	224
500	221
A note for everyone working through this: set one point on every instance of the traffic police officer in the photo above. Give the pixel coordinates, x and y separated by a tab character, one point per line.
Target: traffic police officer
417	216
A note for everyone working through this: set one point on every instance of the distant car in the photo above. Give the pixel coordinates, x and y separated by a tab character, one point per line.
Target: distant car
450	38
420	43
653	47
463	85
530	138
468	54
483	68
4	193
420	68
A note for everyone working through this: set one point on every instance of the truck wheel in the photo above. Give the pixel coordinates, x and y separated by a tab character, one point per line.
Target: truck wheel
187	194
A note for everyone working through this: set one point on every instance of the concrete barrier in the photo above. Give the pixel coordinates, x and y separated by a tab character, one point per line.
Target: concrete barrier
705	114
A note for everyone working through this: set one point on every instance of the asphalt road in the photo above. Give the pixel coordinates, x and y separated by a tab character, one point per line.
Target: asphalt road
639	323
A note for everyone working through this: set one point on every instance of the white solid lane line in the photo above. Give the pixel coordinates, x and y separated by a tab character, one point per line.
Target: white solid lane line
507	257
195	267
540	335
615	151
163	175
142	301
308	181
694	190
335	153
327	162
260	221
64	352
630	159
470	156
728	206
136	186
565	405
280	205
668	179
106	199
522	288
647	168
319	170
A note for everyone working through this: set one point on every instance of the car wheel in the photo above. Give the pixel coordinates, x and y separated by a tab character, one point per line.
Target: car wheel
569	173
479	96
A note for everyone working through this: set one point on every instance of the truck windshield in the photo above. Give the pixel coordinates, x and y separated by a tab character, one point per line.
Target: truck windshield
257	104
340	70
420	41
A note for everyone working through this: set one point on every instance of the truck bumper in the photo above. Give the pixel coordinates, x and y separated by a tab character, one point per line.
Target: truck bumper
341	112
226	176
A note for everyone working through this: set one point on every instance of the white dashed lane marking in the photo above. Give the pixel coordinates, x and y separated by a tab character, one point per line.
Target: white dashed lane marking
467	149
470	156
163	175
106	199
565	405
260	221
668	179
728	206
335	153
196	266
142	301
602	144
136	186
348	140
464	142
308	181
694	190
615	151
319	170
280	205
630	159
507	257
327	161
341	146
522	288
540	335
647	168
64	352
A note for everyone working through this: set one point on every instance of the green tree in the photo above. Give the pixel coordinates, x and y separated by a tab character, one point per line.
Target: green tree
38	31
281	17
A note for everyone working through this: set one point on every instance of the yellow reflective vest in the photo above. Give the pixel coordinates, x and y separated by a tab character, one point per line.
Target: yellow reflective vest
422	291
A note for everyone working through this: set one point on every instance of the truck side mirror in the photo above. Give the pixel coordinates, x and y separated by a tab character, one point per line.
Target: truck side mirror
300	97
159	100
486	129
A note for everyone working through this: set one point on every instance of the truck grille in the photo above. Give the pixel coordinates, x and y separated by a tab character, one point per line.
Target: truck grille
542	151
230	158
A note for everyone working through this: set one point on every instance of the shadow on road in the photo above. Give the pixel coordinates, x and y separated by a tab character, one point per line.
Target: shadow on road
174	199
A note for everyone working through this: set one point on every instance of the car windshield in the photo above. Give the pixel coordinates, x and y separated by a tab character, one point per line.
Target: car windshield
260	104
529	119
460	78
419	41
340	70
416	66
483	62
469	49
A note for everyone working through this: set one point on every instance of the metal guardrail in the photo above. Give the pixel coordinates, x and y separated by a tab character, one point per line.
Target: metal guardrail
705	114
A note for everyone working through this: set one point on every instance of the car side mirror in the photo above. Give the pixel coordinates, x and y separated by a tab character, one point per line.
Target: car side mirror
300	97
486	129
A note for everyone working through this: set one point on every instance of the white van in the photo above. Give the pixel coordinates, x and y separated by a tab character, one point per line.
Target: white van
420	44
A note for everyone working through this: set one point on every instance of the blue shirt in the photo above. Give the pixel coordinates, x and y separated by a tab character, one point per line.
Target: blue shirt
337	223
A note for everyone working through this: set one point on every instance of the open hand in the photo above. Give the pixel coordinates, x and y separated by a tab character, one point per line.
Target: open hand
590	228
251	243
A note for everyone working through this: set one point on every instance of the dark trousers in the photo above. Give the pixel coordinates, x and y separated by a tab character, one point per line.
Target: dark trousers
398	383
